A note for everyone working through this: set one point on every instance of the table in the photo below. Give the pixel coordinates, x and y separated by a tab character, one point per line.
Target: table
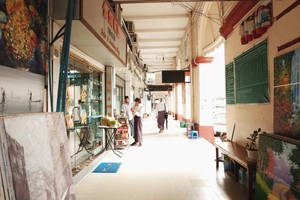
239	154
110	133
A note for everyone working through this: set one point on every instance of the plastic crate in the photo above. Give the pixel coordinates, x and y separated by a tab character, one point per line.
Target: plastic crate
183	124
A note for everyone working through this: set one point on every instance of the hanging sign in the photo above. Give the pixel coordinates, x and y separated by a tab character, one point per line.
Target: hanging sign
256	24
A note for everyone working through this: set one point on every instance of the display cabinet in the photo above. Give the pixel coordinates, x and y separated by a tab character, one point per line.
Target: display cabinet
84	109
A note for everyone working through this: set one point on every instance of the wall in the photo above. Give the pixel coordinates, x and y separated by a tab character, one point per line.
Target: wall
252	116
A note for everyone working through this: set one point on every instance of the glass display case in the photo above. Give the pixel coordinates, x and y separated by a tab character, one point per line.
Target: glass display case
84	109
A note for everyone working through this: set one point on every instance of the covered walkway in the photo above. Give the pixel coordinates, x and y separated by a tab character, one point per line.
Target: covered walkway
167	166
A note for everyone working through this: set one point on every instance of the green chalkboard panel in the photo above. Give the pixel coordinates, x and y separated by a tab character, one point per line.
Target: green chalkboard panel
251	75
229	70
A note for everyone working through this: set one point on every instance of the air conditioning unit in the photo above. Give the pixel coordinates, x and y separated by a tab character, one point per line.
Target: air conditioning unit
130	26
145	68
134	38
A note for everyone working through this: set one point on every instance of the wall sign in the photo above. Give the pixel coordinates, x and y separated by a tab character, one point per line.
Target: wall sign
99	16
256	24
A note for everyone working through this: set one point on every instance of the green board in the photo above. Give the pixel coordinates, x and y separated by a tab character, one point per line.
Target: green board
251	73
230	83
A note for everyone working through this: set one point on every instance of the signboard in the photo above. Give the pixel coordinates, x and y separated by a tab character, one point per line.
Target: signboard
160	88
150	78
100	19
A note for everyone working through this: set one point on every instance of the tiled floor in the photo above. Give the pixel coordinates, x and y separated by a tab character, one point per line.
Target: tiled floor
168	166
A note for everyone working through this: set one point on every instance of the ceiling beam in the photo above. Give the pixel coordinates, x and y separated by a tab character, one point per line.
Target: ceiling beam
154	62
162	1
160	47
160	40
167	53
159	30
156	59
160	66
155	17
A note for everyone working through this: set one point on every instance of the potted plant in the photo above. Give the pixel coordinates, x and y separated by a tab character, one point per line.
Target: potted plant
251	145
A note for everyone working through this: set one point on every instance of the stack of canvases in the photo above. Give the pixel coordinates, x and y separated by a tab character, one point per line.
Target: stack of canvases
278	167
256	24
34	158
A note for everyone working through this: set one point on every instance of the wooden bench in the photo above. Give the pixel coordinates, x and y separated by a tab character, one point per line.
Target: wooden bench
238	154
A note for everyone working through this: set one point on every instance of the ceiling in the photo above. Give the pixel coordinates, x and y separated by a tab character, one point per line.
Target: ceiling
160	28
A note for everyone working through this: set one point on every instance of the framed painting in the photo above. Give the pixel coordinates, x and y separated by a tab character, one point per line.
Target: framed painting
37	159
278	168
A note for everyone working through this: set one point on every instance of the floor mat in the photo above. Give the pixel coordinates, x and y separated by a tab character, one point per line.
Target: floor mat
107	167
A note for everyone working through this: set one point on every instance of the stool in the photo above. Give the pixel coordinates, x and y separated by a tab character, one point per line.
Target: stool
189	128
194	134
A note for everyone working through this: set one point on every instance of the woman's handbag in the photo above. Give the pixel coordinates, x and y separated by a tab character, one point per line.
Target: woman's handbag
166	113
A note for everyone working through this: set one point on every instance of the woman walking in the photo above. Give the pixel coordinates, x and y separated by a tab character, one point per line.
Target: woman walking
137	113
161	110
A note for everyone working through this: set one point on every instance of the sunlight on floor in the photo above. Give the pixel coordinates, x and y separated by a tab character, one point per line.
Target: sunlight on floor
167	166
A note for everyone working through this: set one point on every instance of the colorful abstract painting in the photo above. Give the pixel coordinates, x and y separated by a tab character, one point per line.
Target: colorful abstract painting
23	34
287	94
278	168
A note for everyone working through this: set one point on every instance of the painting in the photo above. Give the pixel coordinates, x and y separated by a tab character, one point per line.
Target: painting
278	168
23	35
287	94
38	157
6	182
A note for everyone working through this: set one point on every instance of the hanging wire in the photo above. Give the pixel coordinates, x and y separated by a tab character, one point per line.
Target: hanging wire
190	8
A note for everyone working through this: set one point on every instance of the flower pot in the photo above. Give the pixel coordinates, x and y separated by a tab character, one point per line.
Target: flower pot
252	155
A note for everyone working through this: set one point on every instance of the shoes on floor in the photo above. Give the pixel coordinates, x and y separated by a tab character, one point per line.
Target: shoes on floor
134	144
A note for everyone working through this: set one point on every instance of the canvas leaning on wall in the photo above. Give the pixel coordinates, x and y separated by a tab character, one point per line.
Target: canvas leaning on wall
36	158
287	94
278	168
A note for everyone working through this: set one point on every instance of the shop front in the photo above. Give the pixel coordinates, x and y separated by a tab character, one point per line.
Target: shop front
84	109
98	46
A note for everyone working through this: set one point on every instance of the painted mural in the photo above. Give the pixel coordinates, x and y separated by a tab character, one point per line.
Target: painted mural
278	169
23	35
287	94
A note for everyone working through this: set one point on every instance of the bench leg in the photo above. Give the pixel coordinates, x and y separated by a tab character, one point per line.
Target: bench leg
217	158
250	172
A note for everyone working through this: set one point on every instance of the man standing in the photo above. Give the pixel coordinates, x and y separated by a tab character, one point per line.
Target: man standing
126	110
137	110
161	110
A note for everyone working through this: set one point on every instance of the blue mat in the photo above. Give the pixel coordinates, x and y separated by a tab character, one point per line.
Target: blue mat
107	167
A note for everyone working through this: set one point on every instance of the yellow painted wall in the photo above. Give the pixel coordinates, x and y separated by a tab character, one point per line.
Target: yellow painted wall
252	116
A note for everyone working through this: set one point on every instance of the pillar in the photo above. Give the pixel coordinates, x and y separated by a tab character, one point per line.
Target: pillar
109	90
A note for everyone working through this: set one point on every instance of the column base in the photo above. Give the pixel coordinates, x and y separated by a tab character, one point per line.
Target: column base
206	132
178	117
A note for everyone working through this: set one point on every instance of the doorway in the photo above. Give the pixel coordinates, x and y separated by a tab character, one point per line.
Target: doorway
212	91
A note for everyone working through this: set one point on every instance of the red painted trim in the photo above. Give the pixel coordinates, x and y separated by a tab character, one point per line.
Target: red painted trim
288	9
235	15
206	132
187	120
288	44
203	59
178	117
